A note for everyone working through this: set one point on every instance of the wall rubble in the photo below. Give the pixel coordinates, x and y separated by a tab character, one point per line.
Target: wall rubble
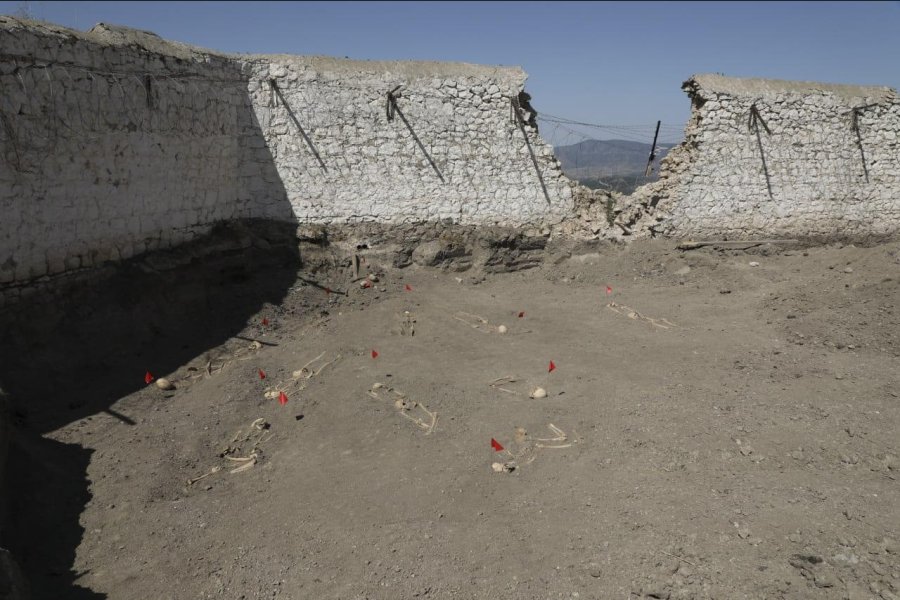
767	158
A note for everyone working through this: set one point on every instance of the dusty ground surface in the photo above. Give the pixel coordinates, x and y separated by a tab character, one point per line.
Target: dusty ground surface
728	431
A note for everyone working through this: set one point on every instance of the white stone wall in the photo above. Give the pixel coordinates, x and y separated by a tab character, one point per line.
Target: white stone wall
94	168
374	170
715	184
90	171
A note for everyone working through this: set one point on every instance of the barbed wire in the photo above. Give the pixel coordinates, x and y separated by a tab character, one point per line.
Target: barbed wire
36	112
553	118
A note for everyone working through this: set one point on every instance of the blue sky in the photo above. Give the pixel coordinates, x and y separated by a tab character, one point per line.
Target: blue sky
609	63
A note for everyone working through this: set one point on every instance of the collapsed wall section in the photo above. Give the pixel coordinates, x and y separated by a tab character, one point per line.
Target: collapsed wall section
778	158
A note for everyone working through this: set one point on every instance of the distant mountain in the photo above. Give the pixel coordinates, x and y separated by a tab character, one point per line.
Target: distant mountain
593	160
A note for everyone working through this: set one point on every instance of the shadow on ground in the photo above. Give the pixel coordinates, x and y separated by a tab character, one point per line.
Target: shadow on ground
62	361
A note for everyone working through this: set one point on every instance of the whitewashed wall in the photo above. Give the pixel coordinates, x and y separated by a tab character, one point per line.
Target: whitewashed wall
802	166
115	142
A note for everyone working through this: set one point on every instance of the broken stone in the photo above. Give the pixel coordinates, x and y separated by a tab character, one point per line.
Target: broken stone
850	559
428	254
805	561
507	467
890	546
849	459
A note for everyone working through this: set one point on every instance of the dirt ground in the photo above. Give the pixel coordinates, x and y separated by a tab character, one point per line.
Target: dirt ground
713	428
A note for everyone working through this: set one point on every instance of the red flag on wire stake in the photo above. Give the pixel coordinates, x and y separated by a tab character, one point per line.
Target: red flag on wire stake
265	322
552	367
496	445
262	374
408	287
148	377
374	354
521	314
282	398
608	290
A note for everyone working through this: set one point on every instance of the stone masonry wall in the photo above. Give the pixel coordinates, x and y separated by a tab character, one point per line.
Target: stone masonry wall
114	142
453	149
765	158
108	149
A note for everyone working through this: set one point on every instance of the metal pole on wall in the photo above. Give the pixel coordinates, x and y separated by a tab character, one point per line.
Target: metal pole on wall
293	117
652	151
755	120
854	124
516	108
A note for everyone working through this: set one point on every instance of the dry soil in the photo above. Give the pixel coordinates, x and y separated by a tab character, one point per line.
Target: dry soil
726	426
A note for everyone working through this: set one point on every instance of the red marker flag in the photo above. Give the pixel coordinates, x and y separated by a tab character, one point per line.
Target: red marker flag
496	445
374	354
552	367
282	398
262	374
148	377
327	291
608	290
521	314
265	321
408	287
367	284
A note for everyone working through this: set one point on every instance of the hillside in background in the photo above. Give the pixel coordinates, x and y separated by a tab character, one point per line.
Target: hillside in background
611	164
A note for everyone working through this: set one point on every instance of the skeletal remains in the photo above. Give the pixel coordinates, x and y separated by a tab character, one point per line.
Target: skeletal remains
481	324
404	406
246	441
299	378
536	394
621	309
214	364
528	448
407	324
